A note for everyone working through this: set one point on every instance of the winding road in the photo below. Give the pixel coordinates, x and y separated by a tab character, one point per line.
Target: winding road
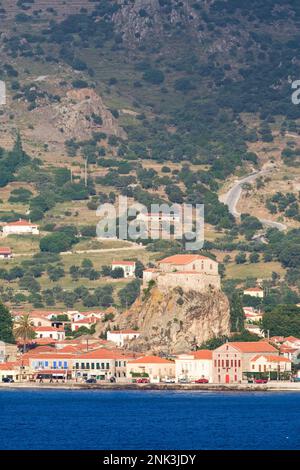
231	198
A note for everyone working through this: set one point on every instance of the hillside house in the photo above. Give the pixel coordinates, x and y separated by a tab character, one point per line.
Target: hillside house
127	266
21	227
5	252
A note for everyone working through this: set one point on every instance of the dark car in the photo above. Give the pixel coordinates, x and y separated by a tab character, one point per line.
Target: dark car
261	381
7	380
201	381
91	381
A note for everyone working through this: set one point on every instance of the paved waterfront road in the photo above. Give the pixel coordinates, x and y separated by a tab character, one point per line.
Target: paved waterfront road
232	197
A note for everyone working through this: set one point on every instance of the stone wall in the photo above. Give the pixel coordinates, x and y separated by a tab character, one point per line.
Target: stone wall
187	281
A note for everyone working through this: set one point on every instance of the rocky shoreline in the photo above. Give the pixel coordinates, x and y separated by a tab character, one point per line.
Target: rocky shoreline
272	386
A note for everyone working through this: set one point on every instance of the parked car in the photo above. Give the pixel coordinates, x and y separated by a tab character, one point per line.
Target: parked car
91	381
183	380
201	381
7	380
296	379
143	380
260	381
169	381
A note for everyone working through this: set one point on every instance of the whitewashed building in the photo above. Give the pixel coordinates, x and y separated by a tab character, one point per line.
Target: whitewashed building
194	365
127	266
21	227
119	337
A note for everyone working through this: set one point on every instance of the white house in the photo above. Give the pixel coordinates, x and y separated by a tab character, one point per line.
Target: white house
127	266
21	227
194	365
119	337
5	252
254	292
50	332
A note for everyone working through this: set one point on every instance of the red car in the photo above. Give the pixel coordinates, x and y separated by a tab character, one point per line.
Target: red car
201	381
261	381
142	381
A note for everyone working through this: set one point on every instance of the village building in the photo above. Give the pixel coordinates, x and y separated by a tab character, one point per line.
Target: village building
21	227
160	225
10	370
156	368
49	332
120	337
252	315
190	272
86	322
102	364
254	292
232	360
5	252
127	266
270	363
194	365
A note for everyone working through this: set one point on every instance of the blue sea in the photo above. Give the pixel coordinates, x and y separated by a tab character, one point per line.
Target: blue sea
110	420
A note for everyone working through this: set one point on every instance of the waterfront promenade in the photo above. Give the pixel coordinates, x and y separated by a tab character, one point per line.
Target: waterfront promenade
246	387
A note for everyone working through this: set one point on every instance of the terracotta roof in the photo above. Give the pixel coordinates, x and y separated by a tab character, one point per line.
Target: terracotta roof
9	365
183	259
253	346
104	354
271	358
5	250
44	341
125	263
150	360
48	328
292	339
86	320
202	354
21	222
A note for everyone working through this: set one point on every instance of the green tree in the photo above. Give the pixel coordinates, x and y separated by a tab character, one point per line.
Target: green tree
24	330
6	325
237	315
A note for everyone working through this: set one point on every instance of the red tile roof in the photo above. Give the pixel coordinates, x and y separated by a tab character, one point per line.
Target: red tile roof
253	346
253	289
271	358
183	259
48	328
202	354
21	222
5	250
150	360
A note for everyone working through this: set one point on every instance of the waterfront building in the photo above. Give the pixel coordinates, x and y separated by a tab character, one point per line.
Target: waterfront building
156	368
231	360
194	365
270	363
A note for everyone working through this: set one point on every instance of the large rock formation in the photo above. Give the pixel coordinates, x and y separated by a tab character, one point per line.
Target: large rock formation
176	321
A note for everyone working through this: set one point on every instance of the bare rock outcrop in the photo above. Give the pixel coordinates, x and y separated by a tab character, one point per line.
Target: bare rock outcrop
177	321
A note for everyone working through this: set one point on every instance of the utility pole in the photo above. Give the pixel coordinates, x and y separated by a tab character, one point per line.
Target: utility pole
71	175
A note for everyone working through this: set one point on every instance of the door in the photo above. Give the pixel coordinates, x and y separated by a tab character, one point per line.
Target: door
227	380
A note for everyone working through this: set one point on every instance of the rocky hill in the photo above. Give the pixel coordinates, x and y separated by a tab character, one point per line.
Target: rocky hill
174	321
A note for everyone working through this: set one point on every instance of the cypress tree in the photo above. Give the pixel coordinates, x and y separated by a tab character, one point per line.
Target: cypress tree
237	315
6	325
